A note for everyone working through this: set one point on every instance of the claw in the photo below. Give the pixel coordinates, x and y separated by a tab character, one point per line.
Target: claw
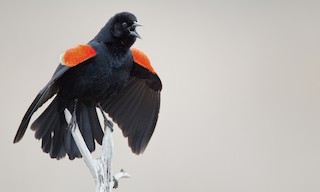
71	118
100	168
107	123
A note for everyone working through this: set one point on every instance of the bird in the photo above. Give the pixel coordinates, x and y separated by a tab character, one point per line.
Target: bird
106	73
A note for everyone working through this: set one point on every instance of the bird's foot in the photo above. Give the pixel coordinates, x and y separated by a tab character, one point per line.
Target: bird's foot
73	121
107	123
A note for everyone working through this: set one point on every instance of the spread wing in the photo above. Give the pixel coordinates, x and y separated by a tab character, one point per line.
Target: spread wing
136	107
70	58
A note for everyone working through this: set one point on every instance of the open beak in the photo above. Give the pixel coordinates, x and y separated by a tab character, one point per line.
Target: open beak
134	32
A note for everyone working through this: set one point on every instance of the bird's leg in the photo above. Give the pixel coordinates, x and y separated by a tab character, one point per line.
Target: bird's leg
107	123
100	168
77	136
73	120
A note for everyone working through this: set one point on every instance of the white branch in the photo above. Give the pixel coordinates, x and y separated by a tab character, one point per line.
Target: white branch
100	168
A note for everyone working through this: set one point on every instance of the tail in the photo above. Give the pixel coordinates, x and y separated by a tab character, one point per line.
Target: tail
50	126
57	140
89	126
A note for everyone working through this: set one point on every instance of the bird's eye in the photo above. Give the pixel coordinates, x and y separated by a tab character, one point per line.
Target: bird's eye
124	24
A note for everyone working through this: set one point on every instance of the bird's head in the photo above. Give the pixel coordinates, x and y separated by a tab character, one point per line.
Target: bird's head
119	31
123	28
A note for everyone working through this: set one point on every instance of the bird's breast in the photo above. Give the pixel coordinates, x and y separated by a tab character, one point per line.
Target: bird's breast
101	76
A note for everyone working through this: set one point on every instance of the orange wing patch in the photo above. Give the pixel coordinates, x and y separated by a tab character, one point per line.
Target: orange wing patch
77	55
140	58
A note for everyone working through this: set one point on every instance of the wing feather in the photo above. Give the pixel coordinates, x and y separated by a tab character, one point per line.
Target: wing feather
46	93
136	108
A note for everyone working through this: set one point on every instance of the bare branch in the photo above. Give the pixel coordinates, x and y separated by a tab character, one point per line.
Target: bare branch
100	168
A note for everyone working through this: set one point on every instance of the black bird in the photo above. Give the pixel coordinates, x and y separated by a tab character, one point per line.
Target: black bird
106	73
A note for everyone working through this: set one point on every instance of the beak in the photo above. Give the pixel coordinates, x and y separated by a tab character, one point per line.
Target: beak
135	24
134	32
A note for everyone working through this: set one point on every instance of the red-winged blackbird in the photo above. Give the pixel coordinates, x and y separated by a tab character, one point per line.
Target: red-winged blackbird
105	73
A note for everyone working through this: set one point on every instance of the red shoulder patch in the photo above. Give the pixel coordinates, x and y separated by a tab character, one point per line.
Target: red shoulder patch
77	55
140	58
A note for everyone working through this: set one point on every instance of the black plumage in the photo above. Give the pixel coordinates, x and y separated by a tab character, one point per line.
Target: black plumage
110	78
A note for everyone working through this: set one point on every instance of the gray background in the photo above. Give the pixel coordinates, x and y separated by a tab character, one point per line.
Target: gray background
240	105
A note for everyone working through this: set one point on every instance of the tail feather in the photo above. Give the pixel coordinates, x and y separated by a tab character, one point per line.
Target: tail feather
58	147
95	124
89	126
83	120
40	125
46	142
51	126
71	147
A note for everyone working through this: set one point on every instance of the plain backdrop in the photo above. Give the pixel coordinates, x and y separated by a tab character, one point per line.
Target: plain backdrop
240	108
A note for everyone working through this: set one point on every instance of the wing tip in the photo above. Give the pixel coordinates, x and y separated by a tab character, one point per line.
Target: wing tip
20	133
138	150
16	140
